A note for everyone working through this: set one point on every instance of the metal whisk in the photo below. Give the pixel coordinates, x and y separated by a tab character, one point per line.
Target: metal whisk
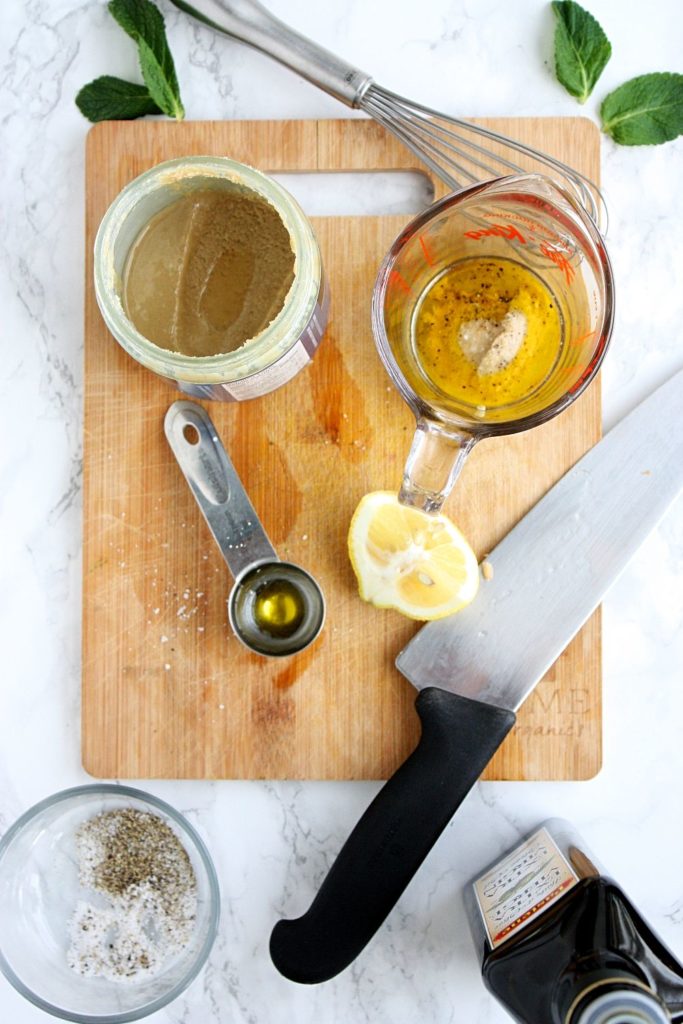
458	152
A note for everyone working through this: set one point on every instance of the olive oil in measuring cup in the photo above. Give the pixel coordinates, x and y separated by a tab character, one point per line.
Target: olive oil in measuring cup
491	312
487	332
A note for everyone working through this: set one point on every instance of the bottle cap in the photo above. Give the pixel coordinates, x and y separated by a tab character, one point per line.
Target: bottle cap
624	1006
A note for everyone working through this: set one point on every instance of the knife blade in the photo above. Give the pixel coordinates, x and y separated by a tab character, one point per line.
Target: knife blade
474	669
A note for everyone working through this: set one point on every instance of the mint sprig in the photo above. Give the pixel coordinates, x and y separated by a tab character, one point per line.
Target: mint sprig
646	110
145	25
643	111
113	99
581	48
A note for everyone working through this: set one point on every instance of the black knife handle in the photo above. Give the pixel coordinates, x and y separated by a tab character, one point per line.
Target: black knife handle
393	837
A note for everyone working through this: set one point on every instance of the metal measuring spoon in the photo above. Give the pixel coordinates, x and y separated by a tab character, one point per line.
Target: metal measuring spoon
275	608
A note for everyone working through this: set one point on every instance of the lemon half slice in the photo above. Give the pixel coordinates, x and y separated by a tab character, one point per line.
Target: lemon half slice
416	562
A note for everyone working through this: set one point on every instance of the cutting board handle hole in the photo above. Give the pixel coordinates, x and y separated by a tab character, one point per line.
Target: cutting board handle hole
191	434
358	193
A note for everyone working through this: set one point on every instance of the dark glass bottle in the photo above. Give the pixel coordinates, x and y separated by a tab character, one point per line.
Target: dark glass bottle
562	944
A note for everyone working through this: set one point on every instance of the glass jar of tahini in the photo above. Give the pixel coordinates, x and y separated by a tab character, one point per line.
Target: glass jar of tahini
273	351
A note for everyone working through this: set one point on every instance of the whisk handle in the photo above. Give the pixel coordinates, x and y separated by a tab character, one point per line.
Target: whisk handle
250	22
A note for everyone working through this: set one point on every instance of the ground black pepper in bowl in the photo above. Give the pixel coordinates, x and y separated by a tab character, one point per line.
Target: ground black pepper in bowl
110	904
144	902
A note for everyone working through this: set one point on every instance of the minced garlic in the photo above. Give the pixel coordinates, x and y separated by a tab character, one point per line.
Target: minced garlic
487	332
493	344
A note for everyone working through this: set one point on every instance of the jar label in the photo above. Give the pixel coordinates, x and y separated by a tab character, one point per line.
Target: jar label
523	885
276	373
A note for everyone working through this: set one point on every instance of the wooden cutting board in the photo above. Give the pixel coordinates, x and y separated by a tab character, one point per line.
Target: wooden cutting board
167	690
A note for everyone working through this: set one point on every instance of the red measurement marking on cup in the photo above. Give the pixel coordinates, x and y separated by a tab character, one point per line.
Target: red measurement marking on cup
560	260
428	255
582	339
569	371
397	281
508	231
534	228
586	372
583	369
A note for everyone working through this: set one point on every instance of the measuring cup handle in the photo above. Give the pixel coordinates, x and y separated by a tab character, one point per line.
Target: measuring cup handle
217	488
435	459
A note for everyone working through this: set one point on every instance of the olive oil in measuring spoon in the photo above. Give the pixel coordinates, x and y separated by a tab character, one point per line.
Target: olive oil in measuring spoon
279	608
275	608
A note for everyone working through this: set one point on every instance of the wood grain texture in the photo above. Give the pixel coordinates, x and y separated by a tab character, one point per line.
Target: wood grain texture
167	690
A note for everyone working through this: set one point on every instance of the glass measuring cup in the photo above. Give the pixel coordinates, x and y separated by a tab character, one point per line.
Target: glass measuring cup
524	220
275	608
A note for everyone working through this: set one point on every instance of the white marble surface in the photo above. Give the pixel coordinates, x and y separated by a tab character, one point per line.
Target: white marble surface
273	842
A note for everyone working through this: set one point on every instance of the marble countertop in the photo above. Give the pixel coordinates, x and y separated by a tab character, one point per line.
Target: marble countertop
273	842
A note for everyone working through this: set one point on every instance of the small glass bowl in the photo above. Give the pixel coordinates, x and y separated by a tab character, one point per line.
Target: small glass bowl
39	889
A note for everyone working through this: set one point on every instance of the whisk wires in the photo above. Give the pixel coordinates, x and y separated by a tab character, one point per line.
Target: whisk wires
450	148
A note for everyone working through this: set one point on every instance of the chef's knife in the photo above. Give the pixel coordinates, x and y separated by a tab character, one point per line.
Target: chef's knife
474	669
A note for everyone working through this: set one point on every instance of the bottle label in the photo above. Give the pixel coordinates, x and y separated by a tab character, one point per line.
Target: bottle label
276	373
522	885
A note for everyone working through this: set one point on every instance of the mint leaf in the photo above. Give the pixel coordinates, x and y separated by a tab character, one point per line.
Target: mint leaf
145	25
646	110
581	49
159	85
112	99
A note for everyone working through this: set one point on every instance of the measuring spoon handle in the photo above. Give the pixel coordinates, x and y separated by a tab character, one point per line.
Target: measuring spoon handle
217	488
